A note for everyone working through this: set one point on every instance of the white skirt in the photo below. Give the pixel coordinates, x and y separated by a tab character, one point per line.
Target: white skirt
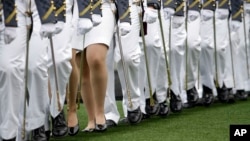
103	33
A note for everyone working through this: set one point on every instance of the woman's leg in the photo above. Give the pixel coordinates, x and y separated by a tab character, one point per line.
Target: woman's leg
73	85
96	59
87	95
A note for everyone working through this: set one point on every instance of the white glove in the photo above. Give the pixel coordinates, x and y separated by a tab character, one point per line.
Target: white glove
150	15
47	30
178	21
9	34
235	26
193	15
97	19
84	25
207	15
59	27
222	13
125	28
168	12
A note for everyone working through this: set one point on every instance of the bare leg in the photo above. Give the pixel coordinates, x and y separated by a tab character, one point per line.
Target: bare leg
87	95
96	59
73	85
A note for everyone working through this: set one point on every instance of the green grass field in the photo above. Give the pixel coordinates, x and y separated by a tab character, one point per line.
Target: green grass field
194	124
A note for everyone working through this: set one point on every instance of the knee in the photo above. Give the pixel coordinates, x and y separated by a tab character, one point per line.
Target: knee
10	68
178	49
194	47
96	62
132	59
37	69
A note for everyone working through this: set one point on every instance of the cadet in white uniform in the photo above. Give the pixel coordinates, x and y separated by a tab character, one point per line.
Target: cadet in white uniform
12	58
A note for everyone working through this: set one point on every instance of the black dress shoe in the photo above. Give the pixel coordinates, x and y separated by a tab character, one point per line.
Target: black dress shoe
72	131
123	120
13	139
39	134
59	126
145	116
192	96
163	109
110	123
223	94
175	102
231	97
241	95
208	97
135	116
101	127
48	134
152	110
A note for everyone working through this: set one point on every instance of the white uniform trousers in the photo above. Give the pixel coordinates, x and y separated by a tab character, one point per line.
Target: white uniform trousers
12	58
193	48
239	55
222	44
247	24
131	54
162	75
162	79
110	107
177	51
37	75
153	45
39	63
62	52
207	67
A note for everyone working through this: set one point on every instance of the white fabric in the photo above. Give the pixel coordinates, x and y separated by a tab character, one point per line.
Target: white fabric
105	29
12	58
47	30
168	12
178	37
125	28
247	22
162	75
193	50
222	43
207	67
59	27
9	34
239	54
110	107
97	19
131	53
153	46
38	72
162	79
84	25
150	15
62	52
77	40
